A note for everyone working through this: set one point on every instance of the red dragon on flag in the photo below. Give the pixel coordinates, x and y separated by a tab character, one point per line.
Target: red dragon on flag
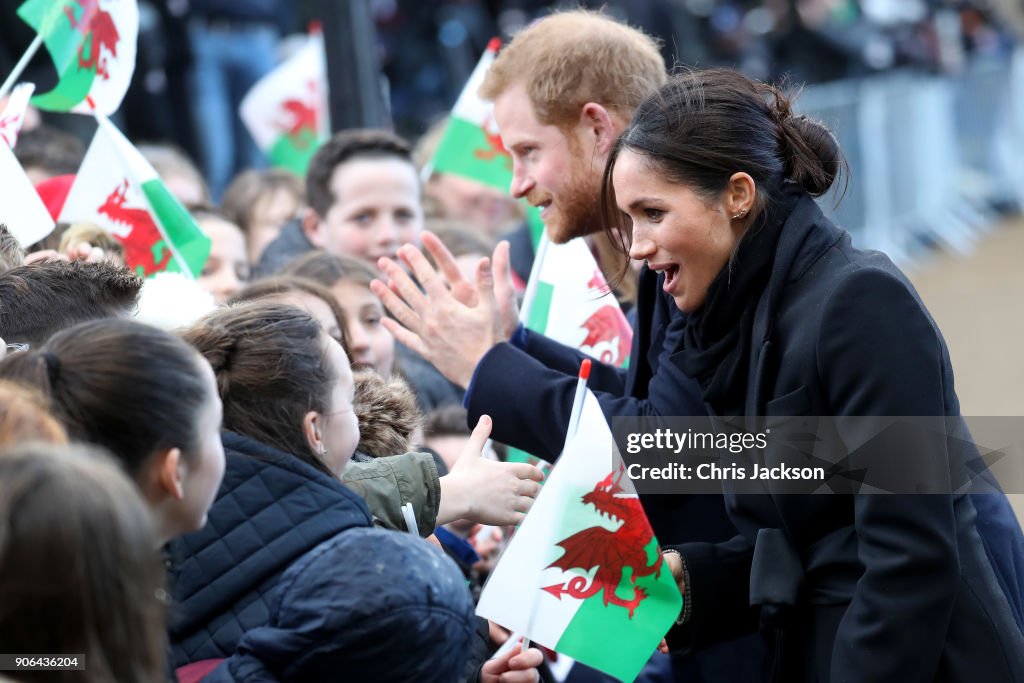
610	551
143	241
99	35
301	121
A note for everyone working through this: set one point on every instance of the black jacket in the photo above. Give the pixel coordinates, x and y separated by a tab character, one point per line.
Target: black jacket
271	509
854	588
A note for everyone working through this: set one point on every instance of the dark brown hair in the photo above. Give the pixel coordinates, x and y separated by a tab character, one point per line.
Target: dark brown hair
704	126
329	269
134	389
248	187
349	145
79	567
272	368
40	299
290	284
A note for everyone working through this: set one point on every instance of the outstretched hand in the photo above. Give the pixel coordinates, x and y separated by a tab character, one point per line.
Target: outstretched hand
450	321
486	491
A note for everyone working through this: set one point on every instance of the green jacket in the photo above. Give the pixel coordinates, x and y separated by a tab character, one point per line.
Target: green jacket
388	483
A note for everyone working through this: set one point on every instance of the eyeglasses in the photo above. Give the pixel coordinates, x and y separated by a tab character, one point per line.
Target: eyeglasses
14	347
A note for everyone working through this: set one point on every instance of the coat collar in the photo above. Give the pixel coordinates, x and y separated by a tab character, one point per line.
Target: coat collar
805	236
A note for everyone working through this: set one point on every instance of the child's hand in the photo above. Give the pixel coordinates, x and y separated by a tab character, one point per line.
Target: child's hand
513	667
486	491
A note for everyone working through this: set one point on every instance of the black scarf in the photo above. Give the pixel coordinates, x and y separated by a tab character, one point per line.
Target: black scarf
716	344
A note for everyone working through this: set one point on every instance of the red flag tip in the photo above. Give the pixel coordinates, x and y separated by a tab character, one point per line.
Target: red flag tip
585	369
89	101
493	44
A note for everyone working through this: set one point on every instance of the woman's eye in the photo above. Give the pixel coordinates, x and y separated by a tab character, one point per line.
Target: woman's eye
654	215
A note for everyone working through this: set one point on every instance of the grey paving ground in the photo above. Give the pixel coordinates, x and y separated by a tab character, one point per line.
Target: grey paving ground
978	302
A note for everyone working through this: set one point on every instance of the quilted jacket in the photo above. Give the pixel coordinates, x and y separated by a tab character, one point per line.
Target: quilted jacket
271	509
367	605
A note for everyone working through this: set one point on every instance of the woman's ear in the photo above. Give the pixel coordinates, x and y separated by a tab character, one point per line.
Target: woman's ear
170	472
311	430
740	194
596	123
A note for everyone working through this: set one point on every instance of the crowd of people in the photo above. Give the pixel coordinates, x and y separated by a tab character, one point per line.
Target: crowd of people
282	470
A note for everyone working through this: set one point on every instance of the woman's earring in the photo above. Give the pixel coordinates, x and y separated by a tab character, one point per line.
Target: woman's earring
323	451
739	214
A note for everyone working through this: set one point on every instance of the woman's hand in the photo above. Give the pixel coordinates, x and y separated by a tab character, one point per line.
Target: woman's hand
513	667
486	491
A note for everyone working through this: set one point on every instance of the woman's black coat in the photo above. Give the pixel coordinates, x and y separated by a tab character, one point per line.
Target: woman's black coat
851	588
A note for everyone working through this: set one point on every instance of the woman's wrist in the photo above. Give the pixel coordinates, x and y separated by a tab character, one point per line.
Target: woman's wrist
677	563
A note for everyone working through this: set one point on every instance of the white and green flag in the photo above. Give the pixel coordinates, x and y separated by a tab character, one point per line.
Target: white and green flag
92	44
13	116
568	300
471	144
22	211
286	111
584	575
119	190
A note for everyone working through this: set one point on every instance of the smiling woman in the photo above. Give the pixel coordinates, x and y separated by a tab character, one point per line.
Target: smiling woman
713	182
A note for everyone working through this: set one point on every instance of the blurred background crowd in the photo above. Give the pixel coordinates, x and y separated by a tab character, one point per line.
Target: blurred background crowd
427	49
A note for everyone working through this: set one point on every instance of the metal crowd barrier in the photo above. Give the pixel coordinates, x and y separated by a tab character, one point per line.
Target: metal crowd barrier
933	159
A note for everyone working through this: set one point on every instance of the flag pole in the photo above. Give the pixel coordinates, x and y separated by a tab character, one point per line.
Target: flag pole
574	424
15	74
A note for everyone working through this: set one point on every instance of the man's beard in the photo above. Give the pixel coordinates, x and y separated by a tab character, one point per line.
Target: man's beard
577	212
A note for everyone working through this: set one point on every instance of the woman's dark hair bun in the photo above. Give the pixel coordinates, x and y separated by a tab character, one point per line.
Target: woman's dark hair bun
813	157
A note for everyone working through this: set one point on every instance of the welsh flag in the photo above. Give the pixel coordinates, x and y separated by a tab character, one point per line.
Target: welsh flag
471	145
21	210
117	189
569	300
286	111
13	116
583	574
92	44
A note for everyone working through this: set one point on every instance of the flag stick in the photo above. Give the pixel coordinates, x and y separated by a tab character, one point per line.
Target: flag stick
574	424
20	66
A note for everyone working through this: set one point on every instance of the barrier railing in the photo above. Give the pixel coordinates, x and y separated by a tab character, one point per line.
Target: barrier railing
931	157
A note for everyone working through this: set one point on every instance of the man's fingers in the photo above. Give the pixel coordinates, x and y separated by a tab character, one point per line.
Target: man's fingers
403	285
405	337
442	257
502	267
394	303
424	272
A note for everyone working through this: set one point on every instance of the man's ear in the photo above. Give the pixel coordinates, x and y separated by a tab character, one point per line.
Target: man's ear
598	127
311	430
310	223
171	472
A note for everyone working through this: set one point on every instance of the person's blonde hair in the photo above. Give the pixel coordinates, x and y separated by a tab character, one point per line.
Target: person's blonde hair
570	58
25	416
94	235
